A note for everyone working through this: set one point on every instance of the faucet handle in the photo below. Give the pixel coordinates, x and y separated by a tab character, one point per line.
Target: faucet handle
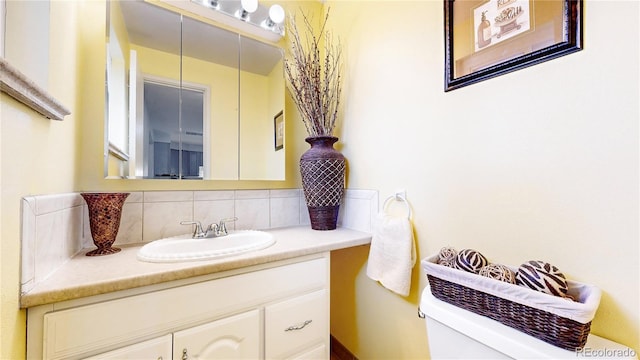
222	227
197	232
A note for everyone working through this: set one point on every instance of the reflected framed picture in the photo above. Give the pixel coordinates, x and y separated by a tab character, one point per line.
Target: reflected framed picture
278	131
489	38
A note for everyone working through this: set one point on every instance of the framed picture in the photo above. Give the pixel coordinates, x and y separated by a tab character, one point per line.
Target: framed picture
489	38
278	131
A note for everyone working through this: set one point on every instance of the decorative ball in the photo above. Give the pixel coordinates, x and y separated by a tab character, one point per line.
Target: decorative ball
499	272
542	276
447	263
470	260
447	254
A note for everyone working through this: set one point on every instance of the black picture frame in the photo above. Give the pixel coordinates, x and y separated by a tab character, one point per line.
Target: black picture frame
516	50
278	131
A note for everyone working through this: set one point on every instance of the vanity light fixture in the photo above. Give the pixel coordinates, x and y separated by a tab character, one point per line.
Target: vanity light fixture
256	19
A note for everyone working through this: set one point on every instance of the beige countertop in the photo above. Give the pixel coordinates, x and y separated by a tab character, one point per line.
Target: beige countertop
84	276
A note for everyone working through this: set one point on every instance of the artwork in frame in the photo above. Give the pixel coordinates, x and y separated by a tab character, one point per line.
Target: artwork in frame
489	38
278	131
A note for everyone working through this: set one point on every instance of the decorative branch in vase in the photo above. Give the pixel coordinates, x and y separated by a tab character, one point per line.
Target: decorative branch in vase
313	72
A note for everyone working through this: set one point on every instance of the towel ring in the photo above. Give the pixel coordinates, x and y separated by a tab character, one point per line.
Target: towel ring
397	197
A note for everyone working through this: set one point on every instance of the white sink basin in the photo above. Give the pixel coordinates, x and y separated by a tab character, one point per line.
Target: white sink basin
185	248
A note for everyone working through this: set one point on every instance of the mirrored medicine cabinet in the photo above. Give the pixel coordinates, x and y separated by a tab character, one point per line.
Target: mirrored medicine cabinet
188	100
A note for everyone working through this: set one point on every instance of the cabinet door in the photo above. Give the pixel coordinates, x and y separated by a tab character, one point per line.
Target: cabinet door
297	325
235	337
155	349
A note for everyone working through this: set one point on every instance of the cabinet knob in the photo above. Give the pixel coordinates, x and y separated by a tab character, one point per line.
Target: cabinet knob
298	327
185	356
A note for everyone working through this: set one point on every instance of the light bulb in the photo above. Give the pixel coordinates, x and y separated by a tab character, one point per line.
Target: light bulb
276	13
249	5
276	17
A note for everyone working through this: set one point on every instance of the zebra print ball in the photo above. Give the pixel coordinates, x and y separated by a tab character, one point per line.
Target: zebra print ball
542	276
499	272
470	260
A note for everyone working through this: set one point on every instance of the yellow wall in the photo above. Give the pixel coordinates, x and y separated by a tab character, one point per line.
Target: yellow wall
537	164
38	156
277	92
254	116
258	157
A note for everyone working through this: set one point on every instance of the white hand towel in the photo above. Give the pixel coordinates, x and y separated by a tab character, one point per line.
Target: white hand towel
392	253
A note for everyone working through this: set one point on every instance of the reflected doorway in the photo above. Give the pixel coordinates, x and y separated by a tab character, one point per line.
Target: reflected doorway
174	131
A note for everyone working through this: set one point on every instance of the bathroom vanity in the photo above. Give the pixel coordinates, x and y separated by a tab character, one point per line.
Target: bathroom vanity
271	303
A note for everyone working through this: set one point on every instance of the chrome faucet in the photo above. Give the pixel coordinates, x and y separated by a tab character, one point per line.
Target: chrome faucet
197	231
212	231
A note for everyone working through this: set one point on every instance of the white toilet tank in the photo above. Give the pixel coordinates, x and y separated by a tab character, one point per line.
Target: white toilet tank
455	333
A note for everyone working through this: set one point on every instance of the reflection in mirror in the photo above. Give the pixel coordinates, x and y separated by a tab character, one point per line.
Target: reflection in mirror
210	59
143	51
189	100
171	153
261	100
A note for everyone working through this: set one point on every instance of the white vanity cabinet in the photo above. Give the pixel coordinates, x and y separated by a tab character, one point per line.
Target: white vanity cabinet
277	310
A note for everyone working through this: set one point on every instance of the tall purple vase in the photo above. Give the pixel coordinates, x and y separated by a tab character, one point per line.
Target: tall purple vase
323	175
105	210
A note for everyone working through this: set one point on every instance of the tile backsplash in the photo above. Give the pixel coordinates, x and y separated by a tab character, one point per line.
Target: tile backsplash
56	227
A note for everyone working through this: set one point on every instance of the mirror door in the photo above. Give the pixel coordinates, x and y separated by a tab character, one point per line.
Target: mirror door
210	58
261	101
149	49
